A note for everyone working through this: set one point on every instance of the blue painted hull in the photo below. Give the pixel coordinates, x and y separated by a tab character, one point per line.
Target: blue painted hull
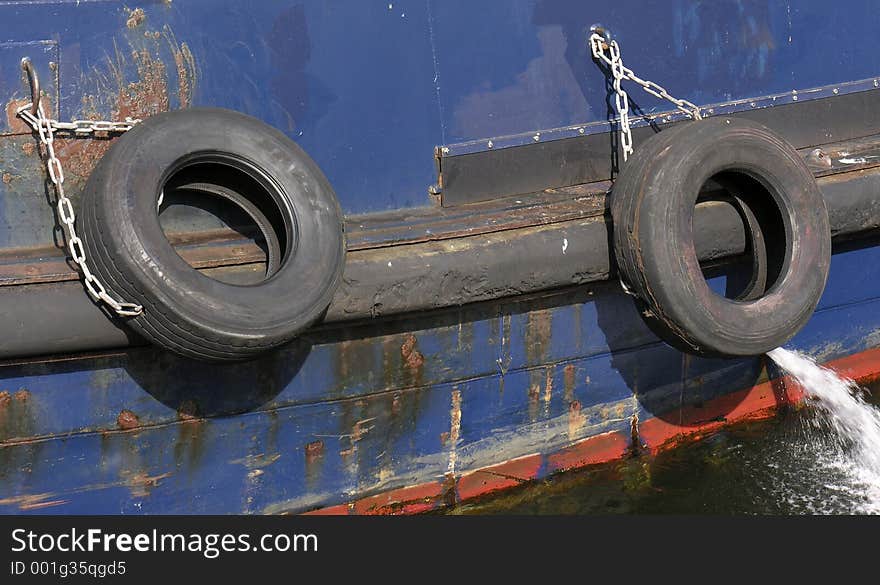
369	90
349	415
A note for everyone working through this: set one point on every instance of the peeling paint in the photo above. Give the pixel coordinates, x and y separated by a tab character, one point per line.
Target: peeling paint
576	420
454	429
33	501
412	357
548	384
258	461
413	416
147	95
136	18
188	410
360	428
314	451
13	122
537	346
186	70
568	377
127	420
16	416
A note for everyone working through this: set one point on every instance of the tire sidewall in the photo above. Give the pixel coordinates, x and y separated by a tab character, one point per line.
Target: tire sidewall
123	191
660	256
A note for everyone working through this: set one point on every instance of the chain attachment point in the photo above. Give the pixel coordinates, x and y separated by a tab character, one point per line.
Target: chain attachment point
45	128
600	42
34	82
602	31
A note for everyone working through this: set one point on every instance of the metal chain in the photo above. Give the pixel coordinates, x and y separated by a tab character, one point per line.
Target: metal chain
599	44
45	129
86	128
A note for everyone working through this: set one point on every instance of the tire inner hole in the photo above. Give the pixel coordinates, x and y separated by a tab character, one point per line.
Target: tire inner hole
733	198
223	222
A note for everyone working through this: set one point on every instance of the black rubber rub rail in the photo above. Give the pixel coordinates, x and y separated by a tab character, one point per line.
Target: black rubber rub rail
58	317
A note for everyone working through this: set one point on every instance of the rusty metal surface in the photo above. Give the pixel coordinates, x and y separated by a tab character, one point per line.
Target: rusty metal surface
354	410
18	265
437	223
410	277
295	64
143	71
209	246
362	405
201	250
844	156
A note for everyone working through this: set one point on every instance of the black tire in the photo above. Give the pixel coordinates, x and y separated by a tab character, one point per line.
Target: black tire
756	247
652	206
270	239
184	310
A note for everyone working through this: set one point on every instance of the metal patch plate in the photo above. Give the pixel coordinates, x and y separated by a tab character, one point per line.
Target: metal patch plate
560	157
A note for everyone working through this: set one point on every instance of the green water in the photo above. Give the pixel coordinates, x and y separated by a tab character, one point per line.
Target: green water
790	464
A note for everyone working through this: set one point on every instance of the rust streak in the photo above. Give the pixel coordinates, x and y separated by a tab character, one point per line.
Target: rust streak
314	451
454	427
188	411
576	419
568	375
137	99
360	429
140	482
31	501
127	420
149	94
258	461
136	18
548	385
183	87
41	505
185	64
15	124
412	357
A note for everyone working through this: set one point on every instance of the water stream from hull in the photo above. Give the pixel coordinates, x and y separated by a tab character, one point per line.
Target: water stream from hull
846	424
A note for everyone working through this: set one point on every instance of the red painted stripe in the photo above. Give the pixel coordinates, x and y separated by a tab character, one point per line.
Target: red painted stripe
688	423
498	477
761	401
407	500
590	451
863	367
340	510
757	402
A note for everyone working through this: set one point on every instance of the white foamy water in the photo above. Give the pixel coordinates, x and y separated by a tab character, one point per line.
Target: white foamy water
847	429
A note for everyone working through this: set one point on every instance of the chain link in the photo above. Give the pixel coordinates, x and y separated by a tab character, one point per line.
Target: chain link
86	128
599	44
46	129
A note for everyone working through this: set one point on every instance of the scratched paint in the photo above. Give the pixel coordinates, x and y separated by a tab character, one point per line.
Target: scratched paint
144	74
513	67
211	439
352	411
